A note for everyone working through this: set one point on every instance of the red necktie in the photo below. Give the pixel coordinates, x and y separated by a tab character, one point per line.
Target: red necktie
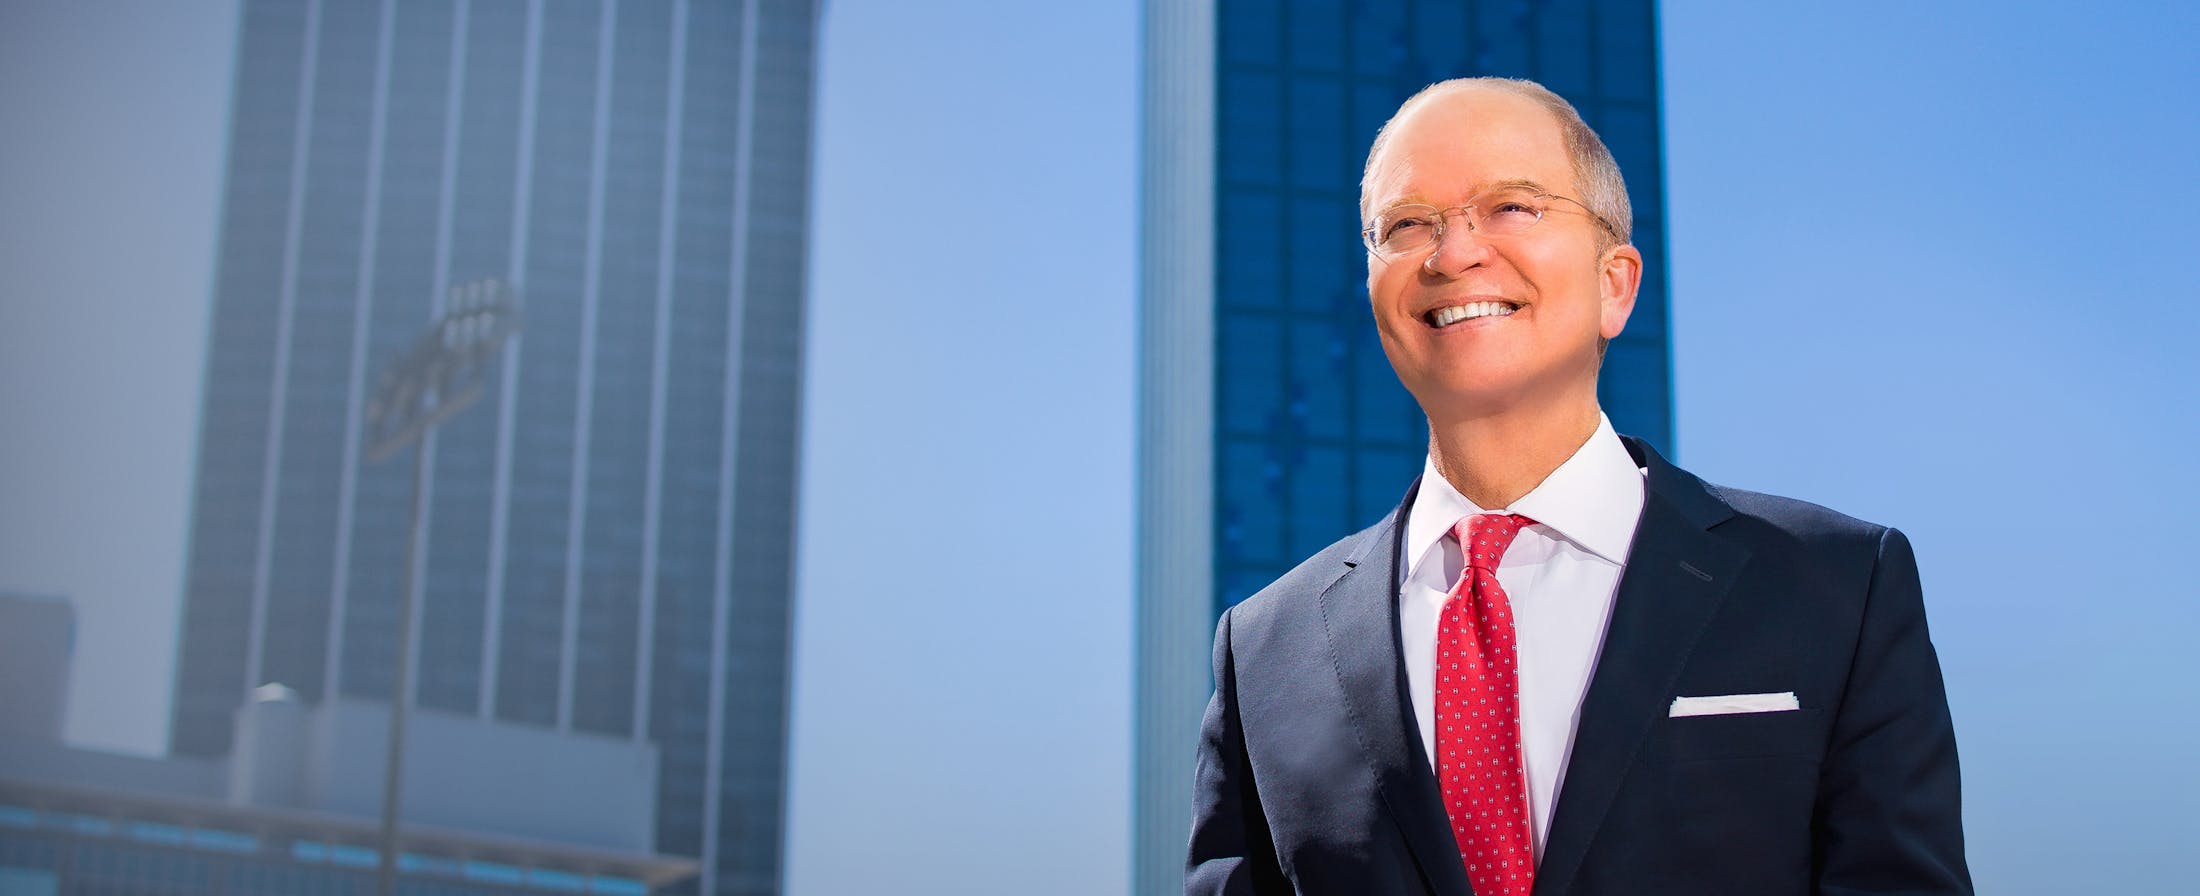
1478	710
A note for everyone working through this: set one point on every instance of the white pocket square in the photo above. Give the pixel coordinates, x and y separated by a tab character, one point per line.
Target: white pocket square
1734	703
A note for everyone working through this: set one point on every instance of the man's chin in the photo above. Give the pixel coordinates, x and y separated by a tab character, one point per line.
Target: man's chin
1469	395
1469	400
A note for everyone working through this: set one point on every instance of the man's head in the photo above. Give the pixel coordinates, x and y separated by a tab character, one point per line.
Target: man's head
1559	286
1596	173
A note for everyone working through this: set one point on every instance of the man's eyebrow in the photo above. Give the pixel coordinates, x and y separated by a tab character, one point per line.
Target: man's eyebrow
1521	182
1419	199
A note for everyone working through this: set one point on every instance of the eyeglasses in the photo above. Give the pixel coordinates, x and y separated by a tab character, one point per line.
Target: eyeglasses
1500	212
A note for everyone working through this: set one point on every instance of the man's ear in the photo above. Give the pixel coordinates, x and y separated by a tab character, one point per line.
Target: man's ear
1618	279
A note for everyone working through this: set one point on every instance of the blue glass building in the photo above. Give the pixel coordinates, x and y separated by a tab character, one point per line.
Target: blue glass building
1271	423
610	529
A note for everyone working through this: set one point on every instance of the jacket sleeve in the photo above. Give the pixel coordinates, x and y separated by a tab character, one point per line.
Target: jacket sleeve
1889	817
1231	852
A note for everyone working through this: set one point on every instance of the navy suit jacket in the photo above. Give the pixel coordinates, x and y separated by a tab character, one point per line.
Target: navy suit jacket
1312	777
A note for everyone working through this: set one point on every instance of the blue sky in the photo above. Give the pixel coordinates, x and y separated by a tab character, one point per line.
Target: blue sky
1930	266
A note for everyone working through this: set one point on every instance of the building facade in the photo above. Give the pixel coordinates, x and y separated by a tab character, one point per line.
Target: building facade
609	530
58	841
1271	423
291	810
37	639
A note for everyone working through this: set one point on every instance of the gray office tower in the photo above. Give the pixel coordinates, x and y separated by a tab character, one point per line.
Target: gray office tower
609	529
1270	421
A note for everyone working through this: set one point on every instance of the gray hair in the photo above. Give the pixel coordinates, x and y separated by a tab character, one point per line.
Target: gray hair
1596	173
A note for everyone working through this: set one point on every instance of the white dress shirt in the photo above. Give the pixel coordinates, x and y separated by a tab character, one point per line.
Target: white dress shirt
1560	576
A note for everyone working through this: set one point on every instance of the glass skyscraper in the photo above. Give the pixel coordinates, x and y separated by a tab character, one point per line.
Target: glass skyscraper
1271	423
610	528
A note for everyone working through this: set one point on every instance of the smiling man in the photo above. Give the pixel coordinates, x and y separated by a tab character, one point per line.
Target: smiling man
1563	665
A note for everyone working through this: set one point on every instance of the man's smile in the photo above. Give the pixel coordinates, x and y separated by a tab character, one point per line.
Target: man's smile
1453	314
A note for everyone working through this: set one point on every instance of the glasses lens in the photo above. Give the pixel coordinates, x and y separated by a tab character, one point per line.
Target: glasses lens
1403	228
1508	211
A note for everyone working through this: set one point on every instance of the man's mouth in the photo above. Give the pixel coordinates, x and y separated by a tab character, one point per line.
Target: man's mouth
1446	316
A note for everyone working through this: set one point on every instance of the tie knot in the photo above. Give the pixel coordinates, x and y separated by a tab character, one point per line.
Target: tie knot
1484	537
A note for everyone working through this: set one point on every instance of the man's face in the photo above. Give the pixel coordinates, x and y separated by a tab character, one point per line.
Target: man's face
1562	294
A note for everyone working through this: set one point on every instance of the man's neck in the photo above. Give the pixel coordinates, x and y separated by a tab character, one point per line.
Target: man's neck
1494	460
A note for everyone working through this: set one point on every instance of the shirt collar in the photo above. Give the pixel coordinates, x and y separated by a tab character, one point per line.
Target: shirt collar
1592	500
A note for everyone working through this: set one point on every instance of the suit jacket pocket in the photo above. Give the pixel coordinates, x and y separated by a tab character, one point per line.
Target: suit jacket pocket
1743	735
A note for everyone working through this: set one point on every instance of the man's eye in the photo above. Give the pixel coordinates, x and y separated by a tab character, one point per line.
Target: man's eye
1511	216
1404	227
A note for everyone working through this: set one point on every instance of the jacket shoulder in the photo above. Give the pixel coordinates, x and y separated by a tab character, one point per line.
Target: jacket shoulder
1297	590
1750	515
1812	540
1794	516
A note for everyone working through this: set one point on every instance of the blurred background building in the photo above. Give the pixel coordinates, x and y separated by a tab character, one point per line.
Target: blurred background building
37	640
610	529
490	807
1270	422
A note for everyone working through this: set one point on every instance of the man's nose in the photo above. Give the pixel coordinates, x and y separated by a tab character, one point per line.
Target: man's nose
1458	250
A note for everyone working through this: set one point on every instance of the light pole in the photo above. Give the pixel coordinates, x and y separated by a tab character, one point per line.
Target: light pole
441	376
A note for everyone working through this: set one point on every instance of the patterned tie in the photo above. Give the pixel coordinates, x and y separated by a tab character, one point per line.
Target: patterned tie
1478	702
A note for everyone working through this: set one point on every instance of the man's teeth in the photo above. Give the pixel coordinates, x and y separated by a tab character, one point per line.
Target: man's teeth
1444	317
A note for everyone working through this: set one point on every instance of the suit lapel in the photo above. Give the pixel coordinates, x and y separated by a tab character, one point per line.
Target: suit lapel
1677	576
1360	620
